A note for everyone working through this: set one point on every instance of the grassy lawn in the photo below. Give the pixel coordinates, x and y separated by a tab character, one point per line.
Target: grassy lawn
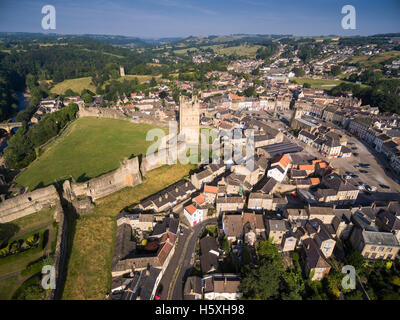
89	267
33	221
319	83
100	143
8	287
76	85
241	50
375	59
19	261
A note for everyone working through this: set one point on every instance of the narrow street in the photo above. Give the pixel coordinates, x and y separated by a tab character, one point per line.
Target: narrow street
180	264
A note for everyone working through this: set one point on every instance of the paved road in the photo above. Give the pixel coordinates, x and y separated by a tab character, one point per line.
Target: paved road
187	259
169	273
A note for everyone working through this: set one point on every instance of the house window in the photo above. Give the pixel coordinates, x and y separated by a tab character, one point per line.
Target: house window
366	255
389	256
381	249
373	248
389	249
373	256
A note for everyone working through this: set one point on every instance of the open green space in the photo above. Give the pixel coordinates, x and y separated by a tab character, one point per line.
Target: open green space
87	149
240	50
8	287
32	221
78	84
320	83
367	61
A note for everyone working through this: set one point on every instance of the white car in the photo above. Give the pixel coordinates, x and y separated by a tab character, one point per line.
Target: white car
360	187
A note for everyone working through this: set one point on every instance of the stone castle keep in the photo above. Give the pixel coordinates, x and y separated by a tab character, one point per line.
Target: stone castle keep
189	119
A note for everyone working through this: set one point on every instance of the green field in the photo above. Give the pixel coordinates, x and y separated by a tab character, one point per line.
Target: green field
319	83
240	50
375	59
33	221
8	287
87	149
78	84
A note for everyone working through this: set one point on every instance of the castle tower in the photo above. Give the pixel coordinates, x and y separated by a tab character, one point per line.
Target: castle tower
122	71
189	119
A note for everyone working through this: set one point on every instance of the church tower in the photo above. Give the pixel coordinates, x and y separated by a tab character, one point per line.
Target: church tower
297	112
189	119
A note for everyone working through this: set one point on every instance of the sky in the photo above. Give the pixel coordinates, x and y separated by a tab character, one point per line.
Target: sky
182	18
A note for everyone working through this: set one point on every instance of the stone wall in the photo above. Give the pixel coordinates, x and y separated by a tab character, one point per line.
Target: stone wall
164	156
28	203
111	113
127	175
60	251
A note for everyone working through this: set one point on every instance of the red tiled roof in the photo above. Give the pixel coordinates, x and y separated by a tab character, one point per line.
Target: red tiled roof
323	164
211	189
199	199
315	180
307	167
191	209
284	161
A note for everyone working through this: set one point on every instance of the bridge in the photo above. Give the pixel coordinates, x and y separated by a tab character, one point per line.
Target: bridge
8	126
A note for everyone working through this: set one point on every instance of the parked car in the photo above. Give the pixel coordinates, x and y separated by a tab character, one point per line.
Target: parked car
384	186
365	165
357	166
363	171
182	230
360	187
159	292
353	175
347	177
355	154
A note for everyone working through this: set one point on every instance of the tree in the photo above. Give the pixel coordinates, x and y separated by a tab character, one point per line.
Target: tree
306	85
153	82
87	98
335	70
163	95
261	282
250	92
299	72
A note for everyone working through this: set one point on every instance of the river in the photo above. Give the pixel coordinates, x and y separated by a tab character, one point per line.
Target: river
23	103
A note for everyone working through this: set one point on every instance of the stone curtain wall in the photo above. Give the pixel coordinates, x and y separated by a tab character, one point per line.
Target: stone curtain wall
127	175
101	113
28	203
60	251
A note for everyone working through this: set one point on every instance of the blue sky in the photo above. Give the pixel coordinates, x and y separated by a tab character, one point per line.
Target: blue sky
169	18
